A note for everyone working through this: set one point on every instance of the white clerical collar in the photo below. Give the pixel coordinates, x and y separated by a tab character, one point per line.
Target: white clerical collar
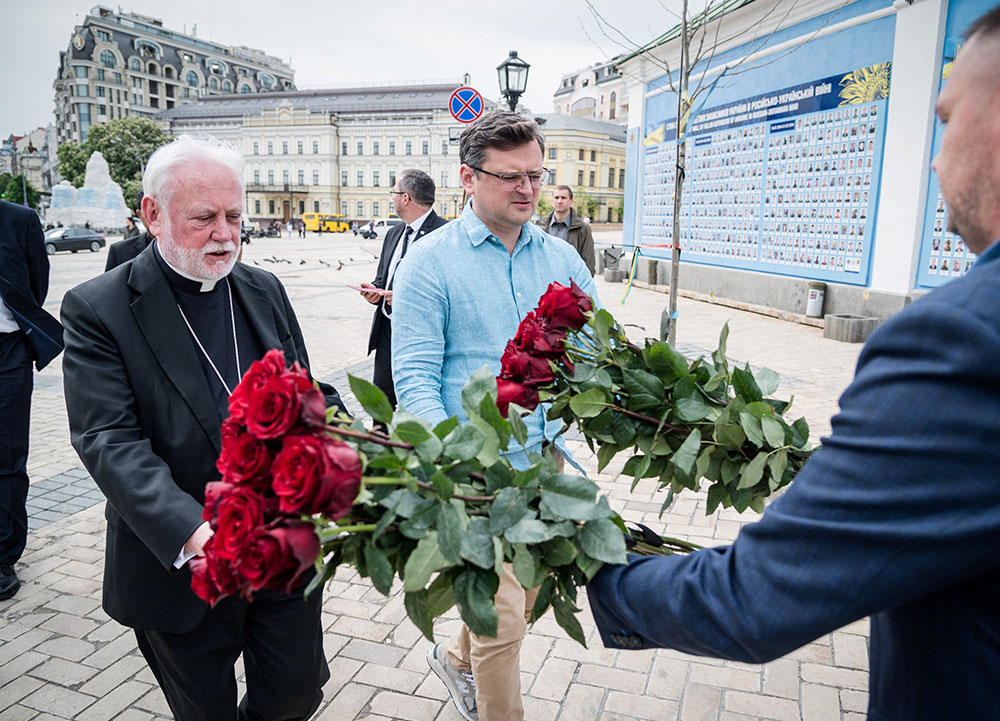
207	285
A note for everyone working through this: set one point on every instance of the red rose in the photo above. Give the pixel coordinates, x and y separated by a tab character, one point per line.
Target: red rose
519	365
564	307
238	512
313	407
244	458
213	578
536	336
273	409
272	364
316	474
512	392
277	555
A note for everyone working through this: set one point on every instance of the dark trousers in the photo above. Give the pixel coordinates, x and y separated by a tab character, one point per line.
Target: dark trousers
281	639
382	375
16	383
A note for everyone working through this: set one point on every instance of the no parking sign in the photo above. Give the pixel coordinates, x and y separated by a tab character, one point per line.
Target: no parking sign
466	104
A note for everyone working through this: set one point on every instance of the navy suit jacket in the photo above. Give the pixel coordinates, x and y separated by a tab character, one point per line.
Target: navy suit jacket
897	516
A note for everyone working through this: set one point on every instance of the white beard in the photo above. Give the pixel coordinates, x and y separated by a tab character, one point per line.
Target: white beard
194	261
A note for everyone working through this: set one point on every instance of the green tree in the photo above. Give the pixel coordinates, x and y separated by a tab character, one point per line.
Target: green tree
126	143
14	191
4	179
544	206
585	205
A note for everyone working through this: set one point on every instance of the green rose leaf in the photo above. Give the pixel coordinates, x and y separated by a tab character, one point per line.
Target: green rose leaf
489	453
767	380
525	566
602	540
483	383
371	398
685	457
451	527
751	474
560	551
474	591
440	594
691	409
644	389
751	425
507	509
442	429
543	599
528	530
489	412
571	497
777	464
443	484
665	362
716	495
565	613
745	386
379	568
477	544
774	431
517	427
719	355
415	604
464	443
589	403
425	560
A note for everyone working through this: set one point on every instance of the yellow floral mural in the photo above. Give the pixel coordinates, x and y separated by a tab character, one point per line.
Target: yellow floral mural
865	84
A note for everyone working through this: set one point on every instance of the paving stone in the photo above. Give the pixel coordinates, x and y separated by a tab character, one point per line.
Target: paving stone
640	706
832	676
114	702
347	704
700	703
59	701
781	678
820	703
111	652
153	702
403	706
17	712
538	709
372	652
667	678
850	650
72	649
68	625
767	707
113	676
395	679
20	665
725	677
63	672
24	642
75	605
582	703
612	678
15	690
853	700
360	628
553	679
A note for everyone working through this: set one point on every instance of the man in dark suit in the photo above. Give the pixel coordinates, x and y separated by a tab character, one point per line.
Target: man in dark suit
27	333
129	247
414	201
154	348
897	516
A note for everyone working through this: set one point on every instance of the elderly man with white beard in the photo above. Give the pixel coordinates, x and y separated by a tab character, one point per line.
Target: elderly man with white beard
154	349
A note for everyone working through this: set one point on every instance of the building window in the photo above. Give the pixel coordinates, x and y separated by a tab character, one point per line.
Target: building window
392	180
581	153
444	178
611	177
552	153
343	207
256	147
270	177
425	148
256	207
621	178
409	147
302	207
104	35
270	147
102	109
82	91
270	207
593	156
245	89
300	146
611	110
392	208
213	83
343	178
192	78
100	74
108	59
579	177
227	86
375	208
256	177
375	179
343	148
315	177
361	178
315	206
118	78
375	147
315	147
302	177
361	147
592	178
80	70
392	147
444	147
284	147
284	177
361	208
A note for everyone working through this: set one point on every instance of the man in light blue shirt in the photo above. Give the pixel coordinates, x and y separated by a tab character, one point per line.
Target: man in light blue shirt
460	294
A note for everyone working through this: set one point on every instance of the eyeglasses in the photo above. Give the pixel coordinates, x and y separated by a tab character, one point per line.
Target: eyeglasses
398	192
510	181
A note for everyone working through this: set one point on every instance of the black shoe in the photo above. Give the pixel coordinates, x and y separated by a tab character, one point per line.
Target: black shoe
9	583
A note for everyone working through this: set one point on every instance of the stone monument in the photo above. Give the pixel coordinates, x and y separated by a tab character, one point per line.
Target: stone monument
99	202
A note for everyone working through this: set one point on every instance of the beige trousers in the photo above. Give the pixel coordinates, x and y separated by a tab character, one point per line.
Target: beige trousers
496	662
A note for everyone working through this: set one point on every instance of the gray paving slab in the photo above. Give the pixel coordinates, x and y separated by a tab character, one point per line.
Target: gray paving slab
60	656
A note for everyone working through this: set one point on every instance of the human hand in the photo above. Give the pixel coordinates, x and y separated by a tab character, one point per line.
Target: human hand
373	296
196	542
388	297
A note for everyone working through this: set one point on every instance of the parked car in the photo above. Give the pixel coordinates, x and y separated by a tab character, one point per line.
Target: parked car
381	227
72	239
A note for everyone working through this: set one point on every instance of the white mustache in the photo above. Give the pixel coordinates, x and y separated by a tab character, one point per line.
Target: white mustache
219	247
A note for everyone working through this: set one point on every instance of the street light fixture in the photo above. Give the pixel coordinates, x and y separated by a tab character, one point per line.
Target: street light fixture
513	76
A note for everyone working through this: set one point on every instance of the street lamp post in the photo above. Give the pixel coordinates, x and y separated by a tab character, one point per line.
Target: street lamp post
512	74
454	200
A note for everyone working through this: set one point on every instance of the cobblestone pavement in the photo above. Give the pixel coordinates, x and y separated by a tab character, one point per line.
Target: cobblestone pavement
61	657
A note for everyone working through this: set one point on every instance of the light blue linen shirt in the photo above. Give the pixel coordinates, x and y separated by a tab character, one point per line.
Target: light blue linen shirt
458	297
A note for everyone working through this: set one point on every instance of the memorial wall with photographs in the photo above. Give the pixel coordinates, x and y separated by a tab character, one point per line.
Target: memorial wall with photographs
783	182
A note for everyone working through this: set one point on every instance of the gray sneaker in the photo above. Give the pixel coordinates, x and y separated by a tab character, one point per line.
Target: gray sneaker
460	684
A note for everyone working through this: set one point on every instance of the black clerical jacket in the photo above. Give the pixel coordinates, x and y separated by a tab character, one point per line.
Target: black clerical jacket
143	420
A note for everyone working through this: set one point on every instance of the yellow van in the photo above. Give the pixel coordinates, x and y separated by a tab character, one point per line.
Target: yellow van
329	223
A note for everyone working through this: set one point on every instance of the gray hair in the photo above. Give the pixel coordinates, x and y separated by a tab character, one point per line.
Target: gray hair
418	185
184	150
499	129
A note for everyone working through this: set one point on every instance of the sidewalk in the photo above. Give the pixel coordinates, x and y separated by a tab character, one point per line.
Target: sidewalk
61	657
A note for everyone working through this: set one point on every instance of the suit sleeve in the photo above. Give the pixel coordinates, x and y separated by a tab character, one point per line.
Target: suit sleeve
332	396
383	262
419	321
38	259
901	501
105	431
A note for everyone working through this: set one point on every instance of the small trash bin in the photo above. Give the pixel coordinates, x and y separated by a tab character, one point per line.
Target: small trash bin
814	304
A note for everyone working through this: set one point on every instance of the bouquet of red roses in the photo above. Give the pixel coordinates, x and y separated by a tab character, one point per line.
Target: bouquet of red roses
679	421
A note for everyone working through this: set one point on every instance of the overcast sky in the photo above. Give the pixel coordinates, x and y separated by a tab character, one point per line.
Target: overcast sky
334	42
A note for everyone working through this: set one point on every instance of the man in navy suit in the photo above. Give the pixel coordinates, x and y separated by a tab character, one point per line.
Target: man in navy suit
27	333
413	198
897	516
